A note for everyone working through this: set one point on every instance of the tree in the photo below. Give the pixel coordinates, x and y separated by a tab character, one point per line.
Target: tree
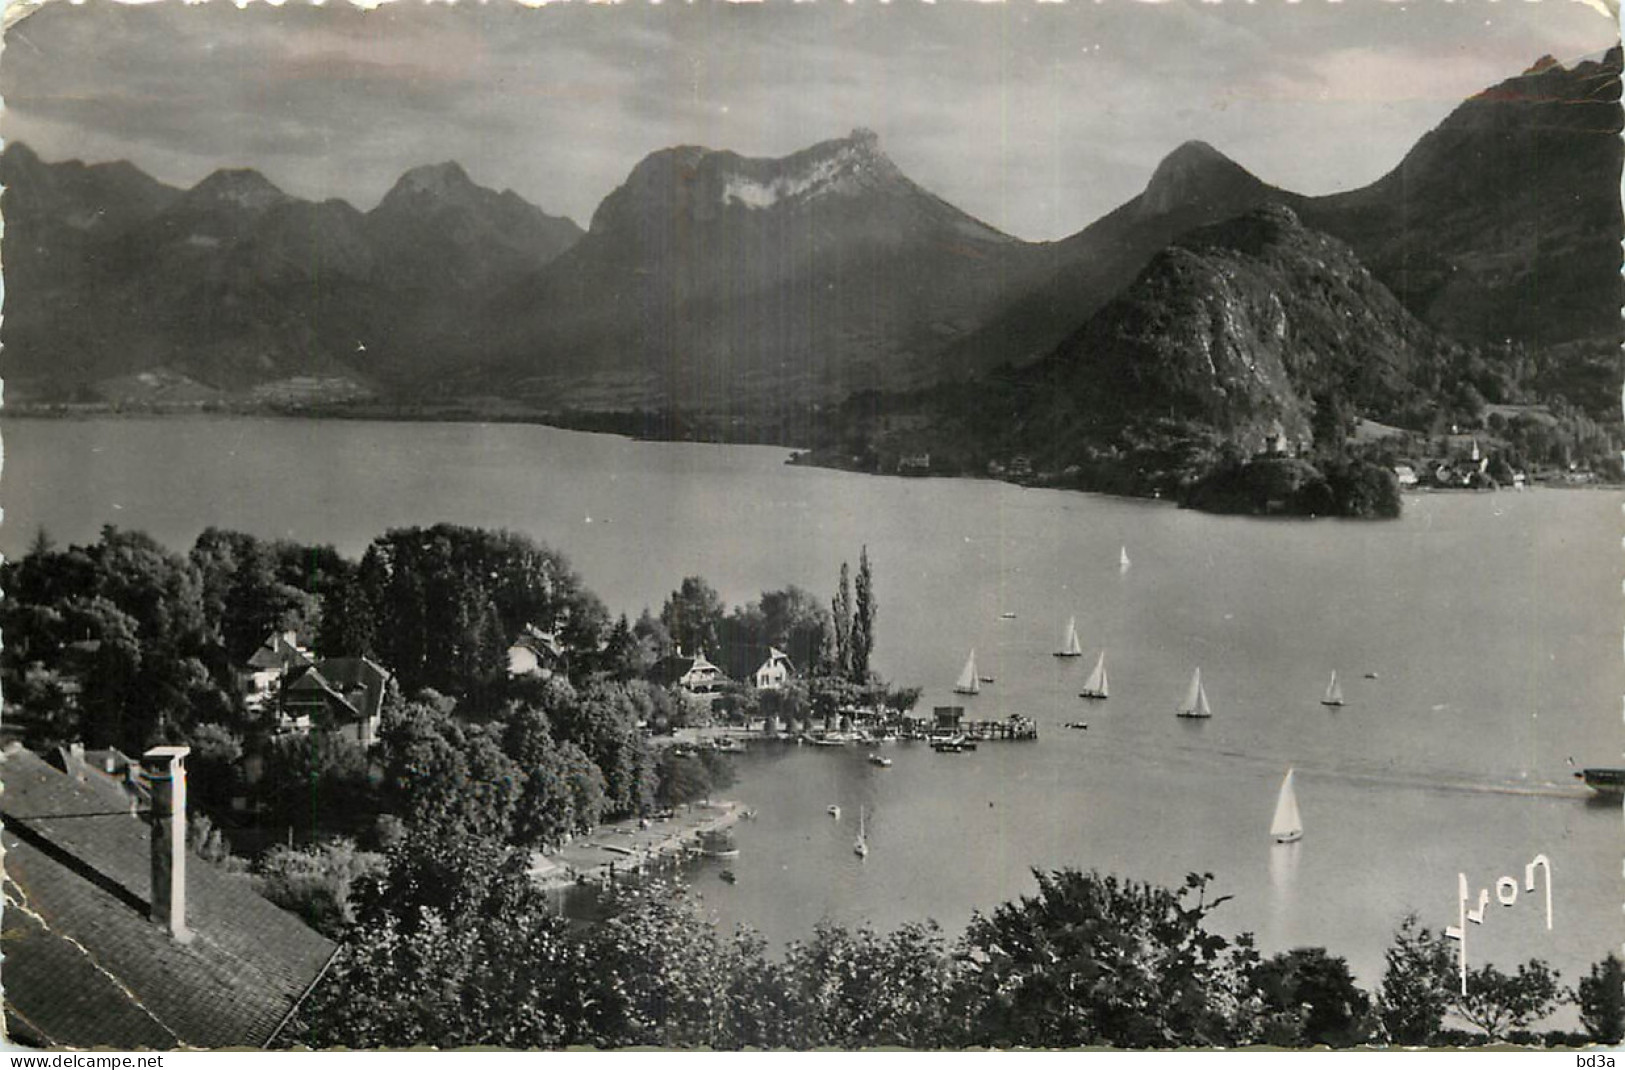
563	789
860	990
316	781
693	616
1602	1001
1092	959
863	621
446	780
1499	1003
1417	984
1315	993
455	946
453	597
316	882
841	614
682	778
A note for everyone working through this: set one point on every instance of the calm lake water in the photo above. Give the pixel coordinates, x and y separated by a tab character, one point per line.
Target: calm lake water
1492	622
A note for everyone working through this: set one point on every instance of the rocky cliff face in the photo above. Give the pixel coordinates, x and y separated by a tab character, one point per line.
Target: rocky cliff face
1239	327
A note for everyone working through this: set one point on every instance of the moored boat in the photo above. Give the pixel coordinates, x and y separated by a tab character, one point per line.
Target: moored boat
1195	704
880	760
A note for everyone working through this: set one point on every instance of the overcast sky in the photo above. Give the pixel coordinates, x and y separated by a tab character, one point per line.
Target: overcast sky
1037	118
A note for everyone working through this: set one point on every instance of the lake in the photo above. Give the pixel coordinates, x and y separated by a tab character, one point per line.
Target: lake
1492	623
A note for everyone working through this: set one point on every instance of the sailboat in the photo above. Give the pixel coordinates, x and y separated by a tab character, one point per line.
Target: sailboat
1195	704
1095	686
1334	692
860	847
1288	824
968	684
1122	559
1070	647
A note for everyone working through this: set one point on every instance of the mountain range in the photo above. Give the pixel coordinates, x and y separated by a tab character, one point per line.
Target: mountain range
712	282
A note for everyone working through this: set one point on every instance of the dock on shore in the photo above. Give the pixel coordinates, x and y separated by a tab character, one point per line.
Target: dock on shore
625	847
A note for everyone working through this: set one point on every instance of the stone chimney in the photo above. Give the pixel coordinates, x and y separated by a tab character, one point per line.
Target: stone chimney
165	770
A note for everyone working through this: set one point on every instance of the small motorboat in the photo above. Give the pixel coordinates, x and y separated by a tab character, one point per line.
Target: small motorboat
880	760
1007	616
728	875
1076	724
834	811
1603	781
985	679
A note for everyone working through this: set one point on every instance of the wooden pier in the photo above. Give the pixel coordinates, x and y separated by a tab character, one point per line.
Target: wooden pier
1011	728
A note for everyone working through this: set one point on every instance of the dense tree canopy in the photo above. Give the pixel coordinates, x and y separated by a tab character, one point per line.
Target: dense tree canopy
443	603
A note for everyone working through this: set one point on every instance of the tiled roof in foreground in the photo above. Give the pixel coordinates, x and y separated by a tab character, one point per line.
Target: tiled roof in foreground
85	966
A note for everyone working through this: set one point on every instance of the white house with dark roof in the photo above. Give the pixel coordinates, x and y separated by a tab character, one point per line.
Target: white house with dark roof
775	671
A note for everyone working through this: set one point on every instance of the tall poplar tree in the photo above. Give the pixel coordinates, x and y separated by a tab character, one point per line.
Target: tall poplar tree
863	621
841	610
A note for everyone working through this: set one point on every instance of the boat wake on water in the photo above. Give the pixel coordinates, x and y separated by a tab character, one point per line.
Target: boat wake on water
1414	778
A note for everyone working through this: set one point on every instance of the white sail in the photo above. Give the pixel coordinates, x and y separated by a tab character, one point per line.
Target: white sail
1070	647
1288	823
1095	686
968	684
1334	692
1195	704
1122	559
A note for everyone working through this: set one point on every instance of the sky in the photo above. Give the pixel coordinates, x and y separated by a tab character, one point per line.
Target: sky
1035	117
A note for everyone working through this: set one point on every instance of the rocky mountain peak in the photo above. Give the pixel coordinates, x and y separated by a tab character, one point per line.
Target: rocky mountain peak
1195	173
439	181
241	188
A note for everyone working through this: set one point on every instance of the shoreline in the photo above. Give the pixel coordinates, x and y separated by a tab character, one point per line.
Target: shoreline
635	426
625	847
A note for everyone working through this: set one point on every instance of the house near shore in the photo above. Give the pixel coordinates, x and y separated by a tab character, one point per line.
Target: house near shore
344	696
694	674
116	937
277	657
536	653
775	670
